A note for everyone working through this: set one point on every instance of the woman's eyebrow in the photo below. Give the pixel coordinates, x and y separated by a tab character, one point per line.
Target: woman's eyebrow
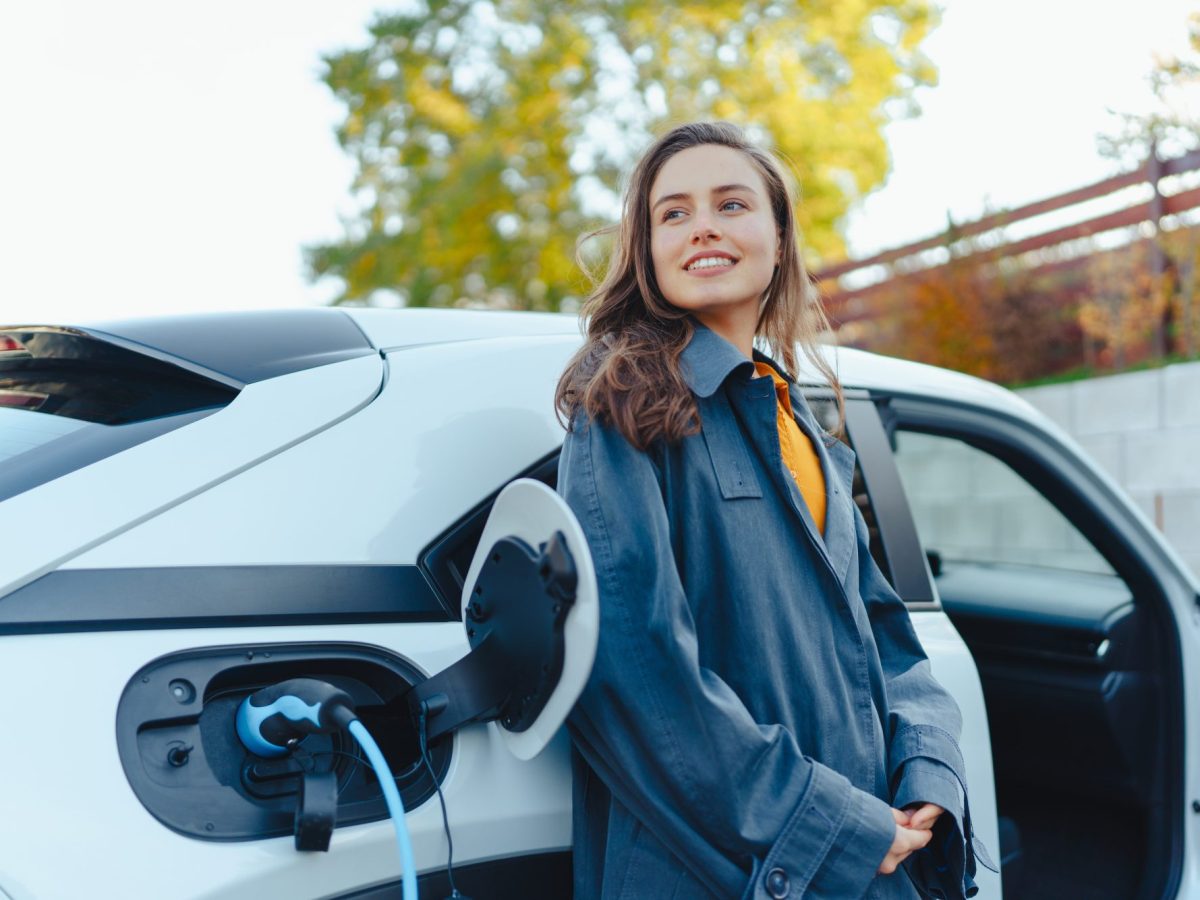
669	198
728	188
720	189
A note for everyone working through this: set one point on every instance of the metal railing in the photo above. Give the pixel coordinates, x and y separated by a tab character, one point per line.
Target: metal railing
906	263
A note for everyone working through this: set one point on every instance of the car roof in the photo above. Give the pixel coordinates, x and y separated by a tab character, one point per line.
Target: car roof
281	340
395	328
238	348
855	368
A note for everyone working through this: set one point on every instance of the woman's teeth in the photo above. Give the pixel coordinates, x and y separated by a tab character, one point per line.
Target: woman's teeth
710	262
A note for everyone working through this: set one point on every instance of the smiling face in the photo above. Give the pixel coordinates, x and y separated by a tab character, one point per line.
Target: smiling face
713	238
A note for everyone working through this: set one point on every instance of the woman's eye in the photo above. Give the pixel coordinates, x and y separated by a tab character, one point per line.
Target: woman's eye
672	214
733	204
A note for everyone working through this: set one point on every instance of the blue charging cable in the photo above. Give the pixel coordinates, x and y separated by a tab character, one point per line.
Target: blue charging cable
391	796
270	721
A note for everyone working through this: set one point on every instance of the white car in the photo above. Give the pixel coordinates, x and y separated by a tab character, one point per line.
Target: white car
193	508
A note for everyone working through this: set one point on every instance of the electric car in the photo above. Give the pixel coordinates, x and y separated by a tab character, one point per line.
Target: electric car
196	508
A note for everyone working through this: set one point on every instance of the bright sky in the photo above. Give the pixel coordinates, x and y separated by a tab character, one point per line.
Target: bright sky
166	157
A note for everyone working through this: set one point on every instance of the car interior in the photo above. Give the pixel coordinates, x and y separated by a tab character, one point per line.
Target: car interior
1077	661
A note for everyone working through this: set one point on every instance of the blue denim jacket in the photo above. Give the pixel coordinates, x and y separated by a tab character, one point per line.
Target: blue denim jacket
759	697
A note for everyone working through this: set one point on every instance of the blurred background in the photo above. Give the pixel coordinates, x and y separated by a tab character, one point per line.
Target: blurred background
1006	188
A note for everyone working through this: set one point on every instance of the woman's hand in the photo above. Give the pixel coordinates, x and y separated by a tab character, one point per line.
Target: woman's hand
907	839
922	816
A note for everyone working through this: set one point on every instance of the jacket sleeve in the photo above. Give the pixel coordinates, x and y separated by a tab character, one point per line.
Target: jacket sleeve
925	764
734	799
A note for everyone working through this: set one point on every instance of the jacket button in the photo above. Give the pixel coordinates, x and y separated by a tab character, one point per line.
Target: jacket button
778	884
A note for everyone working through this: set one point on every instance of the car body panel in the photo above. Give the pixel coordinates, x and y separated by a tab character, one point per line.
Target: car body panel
955	669
485	410
497	805
96	503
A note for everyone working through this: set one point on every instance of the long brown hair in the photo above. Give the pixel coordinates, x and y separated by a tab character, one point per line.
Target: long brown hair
627	373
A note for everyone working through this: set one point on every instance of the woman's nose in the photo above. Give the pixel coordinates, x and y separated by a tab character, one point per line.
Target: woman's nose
704	228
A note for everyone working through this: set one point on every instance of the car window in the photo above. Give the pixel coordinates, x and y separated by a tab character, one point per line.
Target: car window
21	432
971	507
68	399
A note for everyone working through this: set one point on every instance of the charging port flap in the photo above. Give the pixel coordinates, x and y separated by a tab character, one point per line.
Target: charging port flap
531	611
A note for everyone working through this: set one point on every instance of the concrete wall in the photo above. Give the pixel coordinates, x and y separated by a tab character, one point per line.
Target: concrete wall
1144	428
969	505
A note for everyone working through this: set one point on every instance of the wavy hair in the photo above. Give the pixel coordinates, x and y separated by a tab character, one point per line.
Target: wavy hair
628	373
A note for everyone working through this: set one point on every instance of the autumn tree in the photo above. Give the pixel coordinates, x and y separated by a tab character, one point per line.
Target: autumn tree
981	313
489	135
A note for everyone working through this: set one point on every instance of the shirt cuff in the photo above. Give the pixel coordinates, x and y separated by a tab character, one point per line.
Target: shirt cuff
832	845
945	868
924	780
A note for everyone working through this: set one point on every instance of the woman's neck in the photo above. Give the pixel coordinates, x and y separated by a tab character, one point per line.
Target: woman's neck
736	326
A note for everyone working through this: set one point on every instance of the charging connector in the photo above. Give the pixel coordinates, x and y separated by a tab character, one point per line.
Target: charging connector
270	722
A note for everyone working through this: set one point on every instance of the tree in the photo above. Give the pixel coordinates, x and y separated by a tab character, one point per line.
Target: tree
1171	127
489	135
983	313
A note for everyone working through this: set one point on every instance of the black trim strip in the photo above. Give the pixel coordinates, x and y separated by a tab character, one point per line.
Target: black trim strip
897	530
218	596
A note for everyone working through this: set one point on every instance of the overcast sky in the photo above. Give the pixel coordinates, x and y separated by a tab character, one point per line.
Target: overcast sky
160	157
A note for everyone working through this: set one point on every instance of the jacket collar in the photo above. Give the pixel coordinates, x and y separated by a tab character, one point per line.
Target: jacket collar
708	359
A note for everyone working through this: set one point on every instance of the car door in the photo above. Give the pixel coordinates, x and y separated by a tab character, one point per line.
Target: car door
1082	623
896	547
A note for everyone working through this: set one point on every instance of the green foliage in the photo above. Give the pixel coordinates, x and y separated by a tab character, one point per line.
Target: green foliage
489	135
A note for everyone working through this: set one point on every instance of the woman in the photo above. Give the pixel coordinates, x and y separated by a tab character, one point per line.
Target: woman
761	720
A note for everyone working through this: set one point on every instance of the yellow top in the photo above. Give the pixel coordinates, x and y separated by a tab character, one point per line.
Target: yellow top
798	454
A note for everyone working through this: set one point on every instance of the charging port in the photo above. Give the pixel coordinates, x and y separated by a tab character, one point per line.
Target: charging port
181	753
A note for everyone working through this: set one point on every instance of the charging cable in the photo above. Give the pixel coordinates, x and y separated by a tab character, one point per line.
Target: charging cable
269	722
428	708
395	806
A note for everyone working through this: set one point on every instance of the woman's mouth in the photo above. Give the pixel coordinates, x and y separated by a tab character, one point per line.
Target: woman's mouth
710	263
